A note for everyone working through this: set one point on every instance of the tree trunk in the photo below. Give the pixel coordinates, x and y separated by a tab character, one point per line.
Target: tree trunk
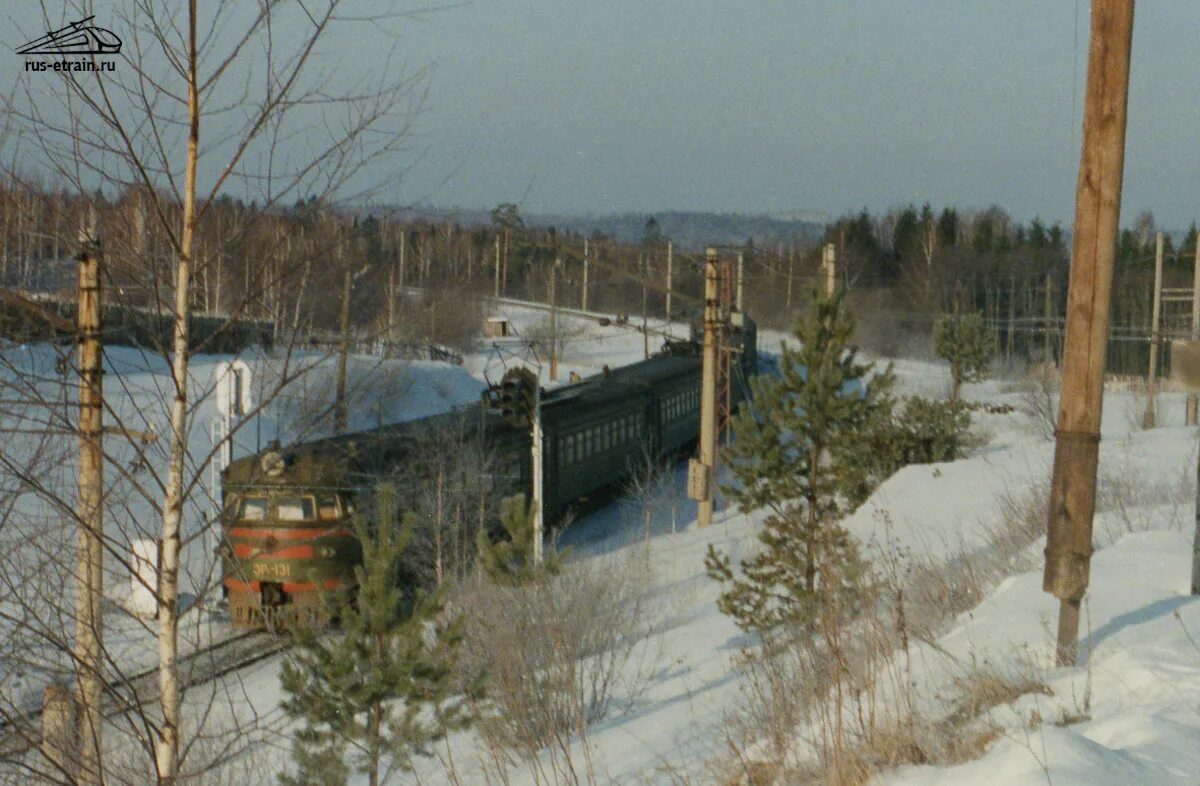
438	522
166	749
374	722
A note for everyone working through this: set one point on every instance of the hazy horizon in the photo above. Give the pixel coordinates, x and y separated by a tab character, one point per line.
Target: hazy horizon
747	107
741	106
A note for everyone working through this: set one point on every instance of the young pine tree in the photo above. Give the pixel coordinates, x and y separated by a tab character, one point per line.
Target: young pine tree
379	690
509	561
795	453
967	345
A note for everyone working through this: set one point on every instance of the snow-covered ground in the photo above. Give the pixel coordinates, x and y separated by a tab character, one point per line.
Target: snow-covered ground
1140	653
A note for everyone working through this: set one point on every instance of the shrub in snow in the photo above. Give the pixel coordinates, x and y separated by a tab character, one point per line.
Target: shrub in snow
381	689
967	344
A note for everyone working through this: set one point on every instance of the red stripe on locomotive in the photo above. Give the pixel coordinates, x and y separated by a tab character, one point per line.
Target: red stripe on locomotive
236	585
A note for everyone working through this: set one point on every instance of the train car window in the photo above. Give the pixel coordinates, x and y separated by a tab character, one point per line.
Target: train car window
295	509
253	509
231	504
327	508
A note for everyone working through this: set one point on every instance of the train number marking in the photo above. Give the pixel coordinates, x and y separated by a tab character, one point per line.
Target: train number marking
272	570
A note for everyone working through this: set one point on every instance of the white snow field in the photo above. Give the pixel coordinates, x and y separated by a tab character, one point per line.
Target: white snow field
1129	713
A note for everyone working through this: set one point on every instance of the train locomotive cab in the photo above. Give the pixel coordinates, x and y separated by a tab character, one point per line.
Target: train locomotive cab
284	544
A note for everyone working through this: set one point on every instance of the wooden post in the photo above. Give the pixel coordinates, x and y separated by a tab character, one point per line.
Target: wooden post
1192	399
741	261
829	268
496	283
669	249
554	320
1155	318
89	623
504	267
583	289
708	391
645	326
1097	211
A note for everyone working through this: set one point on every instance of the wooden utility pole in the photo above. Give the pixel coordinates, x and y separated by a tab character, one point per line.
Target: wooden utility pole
504	267
89	626
583	289
1195	335
1155	319
829	268
554	320
496	284
708	395
1097	212
645	326
669	249
741	273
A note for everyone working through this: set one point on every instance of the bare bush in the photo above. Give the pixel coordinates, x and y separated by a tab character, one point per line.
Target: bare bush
1130	501
544	335
450	316
1039	397
560	653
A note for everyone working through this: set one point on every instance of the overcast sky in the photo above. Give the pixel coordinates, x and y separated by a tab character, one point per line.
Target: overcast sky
773	105
751	105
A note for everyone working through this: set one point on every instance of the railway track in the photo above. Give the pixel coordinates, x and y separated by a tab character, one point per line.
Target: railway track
20	729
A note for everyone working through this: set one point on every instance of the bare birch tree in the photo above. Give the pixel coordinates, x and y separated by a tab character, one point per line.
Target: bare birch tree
205	100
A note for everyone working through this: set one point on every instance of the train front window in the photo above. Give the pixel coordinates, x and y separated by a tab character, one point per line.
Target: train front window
253	509
295	509
327	508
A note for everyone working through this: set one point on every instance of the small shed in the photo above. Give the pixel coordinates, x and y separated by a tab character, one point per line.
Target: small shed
496	327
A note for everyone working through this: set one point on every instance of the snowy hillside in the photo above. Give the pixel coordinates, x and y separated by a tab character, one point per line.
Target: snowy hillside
1129	713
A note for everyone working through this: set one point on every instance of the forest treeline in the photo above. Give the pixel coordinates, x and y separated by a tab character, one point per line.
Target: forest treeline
411	279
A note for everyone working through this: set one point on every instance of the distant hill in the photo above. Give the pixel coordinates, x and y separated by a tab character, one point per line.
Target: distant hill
690	230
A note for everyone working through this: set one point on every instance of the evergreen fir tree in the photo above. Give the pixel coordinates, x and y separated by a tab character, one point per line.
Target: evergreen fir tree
509	561
795	454
382	688
967	345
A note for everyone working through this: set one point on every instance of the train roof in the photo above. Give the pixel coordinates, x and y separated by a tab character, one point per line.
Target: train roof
325	460
623	381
